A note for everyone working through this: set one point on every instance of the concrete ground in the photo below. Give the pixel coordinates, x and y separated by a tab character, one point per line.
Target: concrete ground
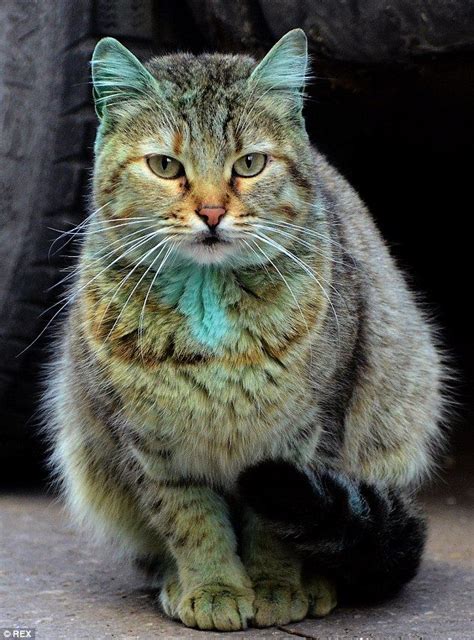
53	581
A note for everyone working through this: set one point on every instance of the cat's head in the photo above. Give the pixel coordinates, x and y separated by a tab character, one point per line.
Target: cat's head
209	151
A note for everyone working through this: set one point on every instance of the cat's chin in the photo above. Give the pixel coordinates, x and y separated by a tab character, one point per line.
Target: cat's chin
209	253
205	252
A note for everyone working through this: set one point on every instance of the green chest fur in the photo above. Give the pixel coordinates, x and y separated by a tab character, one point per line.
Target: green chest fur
203	295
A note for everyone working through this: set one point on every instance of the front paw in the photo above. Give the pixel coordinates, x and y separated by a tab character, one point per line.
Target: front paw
322	596
170	595
277	603
217	606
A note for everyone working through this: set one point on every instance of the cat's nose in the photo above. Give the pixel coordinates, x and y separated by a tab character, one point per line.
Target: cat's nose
211	214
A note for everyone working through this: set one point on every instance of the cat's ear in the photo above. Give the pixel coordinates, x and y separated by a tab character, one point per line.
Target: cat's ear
117	76
285	67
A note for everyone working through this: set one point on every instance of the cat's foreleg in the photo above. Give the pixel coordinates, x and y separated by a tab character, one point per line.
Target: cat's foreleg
211	589
275	571
368	539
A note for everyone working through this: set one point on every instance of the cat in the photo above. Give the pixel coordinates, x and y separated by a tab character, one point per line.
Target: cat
234	303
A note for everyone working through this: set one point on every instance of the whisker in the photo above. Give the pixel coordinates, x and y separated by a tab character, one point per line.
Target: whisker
69	299
305	230
90	232
97	257
48	324
128	275
142	313
138	243
98	226
164	241
289	289
315	234
252	249
314	248
79	226
304	266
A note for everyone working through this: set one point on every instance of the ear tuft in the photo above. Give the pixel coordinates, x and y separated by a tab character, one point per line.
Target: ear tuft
285	67
117	75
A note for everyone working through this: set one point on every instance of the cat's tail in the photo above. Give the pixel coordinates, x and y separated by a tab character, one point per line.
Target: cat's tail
369	539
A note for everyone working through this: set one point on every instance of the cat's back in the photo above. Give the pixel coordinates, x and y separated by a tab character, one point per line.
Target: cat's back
392	418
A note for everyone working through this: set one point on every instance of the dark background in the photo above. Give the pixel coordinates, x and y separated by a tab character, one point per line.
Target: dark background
391	106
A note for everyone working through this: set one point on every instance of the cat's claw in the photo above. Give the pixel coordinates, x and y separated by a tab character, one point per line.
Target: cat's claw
218	607
278	603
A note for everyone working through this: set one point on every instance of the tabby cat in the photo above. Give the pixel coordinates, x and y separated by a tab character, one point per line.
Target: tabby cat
235	304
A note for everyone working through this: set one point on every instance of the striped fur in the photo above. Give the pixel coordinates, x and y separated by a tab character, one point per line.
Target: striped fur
183	363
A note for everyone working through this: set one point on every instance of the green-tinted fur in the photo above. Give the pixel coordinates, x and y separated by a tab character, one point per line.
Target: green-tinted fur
182	365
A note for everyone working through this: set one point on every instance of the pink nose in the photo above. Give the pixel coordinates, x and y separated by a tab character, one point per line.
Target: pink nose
211	214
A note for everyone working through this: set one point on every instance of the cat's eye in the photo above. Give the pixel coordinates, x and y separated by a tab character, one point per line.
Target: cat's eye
165	166
250	165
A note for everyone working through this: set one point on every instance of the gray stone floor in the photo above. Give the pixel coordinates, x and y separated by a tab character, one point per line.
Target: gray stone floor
52	580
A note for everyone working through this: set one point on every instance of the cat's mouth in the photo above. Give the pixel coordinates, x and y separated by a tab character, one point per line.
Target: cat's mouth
209	247
211	240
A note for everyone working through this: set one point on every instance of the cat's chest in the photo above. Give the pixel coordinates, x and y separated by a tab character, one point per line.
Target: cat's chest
218	413
221	398
217	372
214	421
209	342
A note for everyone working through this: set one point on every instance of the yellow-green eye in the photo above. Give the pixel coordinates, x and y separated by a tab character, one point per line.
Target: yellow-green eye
250	165
165	167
